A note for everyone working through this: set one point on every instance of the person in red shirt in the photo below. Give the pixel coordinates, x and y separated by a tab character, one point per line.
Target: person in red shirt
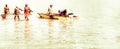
26	12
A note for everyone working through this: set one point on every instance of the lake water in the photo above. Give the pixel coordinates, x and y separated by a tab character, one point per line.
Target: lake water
96	27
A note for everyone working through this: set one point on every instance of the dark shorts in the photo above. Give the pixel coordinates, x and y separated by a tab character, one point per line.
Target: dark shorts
5	12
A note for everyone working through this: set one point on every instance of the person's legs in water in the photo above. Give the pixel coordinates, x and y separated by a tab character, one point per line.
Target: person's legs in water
27	18
18	18
5	14
15	17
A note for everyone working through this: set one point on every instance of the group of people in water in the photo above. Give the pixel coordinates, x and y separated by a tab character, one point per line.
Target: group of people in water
27	11
17	12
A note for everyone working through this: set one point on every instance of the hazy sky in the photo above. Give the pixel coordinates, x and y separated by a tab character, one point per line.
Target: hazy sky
79	7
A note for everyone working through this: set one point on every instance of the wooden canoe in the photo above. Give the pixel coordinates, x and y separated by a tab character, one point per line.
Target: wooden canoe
55	16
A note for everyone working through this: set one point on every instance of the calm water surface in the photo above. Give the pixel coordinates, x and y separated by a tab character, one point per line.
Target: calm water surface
65	33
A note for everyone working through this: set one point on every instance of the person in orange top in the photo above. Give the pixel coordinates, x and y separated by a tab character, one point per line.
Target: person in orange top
6	9
26	12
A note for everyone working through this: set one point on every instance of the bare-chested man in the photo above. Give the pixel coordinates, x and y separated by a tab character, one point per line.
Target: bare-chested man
16	13
6	11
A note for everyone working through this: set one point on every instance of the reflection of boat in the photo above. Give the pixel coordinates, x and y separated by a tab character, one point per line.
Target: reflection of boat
54	16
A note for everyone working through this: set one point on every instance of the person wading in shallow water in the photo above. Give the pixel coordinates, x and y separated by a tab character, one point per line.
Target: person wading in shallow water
16	13
26	12
6	11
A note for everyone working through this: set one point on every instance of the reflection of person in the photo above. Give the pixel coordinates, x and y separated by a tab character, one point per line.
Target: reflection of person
6	9
26	12
16	12
26	32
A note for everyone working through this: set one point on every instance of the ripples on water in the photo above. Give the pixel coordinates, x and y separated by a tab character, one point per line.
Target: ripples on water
36	33
56	34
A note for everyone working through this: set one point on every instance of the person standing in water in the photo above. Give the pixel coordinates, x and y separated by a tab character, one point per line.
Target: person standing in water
16	13
26	12
6	11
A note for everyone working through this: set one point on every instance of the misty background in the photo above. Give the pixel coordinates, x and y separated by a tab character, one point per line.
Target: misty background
78	7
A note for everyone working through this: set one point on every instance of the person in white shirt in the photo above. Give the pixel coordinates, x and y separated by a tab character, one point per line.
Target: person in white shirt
50	10
50	13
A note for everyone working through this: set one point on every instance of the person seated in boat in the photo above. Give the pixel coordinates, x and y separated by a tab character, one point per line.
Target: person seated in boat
57	14
63	13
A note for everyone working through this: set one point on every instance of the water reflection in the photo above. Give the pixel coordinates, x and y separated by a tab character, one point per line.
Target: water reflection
26	32
63	24
16	31
60	34
50	31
